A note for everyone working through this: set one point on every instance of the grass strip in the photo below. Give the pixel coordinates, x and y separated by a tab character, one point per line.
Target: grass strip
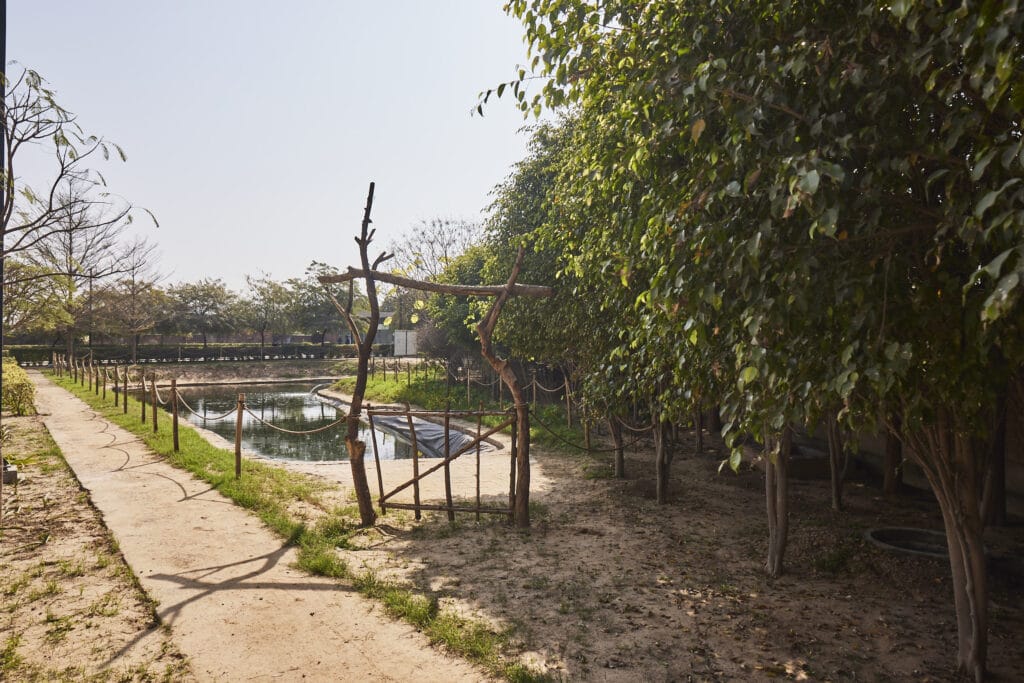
268	491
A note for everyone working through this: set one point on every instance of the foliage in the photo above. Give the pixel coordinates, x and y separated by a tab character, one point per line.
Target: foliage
205	306
804	205
19	394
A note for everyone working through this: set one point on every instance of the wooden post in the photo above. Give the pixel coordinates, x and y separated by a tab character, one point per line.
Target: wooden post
238	437
447	469
142	395
376	458
408	373
152	388
88	371
104	396
415	463
124	394
512	476
174	413
479	424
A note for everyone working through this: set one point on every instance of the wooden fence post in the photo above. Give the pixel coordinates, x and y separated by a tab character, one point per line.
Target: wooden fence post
96	376
117	381
152	387
238	437
124	394
447	468
415	464
104	397
174	413
142	395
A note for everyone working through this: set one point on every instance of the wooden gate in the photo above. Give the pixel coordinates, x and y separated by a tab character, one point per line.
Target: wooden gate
474	445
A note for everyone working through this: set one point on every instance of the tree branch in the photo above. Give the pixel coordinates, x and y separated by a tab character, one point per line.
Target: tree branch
537	291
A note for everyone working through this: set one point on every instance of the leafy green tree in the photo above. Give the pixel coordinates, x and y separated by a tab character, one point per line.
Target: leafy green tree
31	299
204	307
312	310
132	303
266	308
453	318
821	205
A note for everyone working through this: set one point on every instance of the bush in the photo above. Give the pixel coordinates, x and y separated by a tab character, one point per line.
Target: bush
19	394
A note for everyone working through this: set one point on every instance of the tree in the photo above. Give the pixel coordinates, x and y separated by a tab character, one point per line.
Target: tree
312	309
432	245
132	303
267	307
32	301
203	307
823	204
86	250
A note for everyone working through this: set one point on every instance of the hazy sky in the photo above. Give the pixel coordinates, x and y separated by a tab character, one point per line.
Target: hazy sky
253	128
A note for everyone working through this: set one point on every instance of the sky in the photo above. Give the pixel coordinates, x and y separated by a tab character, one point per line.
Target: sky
253	128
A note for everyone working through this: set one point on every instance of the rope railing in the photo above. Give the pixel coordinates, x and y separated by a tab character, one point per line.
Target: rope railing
635	430
295	432
159	398
540	386
190	409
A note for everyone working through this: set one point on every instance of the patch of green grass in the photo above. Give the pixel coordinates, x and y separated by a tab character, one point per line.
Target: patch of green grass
10	660
58	628
71	569
834	560
50	588
598	471
268	491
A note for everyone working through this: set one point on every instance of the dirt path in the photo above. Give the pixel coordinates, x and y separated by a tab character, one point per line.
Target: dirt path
225	584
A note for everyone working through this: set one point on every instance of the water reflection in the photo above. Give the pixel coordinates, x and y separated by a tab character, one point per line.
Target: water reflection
288	406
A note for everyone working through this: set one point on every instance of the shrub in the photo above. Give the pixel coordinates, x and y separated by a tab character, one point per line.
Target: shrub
19	394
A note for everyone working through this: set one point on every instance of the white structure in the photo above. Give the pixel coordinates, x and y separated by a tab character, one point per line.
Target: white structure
405	342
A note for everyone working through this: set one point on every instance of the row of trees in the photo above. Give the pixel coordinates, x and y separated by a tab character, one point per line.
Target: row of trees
126	301
800	215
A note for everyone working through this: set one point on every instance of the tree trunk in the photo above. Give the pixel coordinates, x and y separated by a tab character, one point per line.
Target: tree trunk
993	499
620	452
663	452
698	428
835	452
135	348
776	481
263	342
715	420
892	478
954	467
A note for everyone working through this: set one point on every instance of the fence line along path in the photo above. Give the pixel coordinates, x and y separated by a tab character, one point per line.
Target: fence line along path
224	583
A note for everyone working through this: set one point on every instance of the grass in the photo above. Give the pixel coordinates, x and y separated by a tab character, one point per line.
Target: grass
268	492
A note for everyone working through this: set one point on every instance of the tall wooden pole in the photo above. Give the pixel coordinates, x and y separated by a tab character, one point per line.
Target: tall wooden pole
174	412
238	437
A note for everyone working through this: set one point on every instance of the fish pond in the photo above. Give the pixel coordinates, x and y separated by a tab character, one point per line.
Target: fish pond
292	407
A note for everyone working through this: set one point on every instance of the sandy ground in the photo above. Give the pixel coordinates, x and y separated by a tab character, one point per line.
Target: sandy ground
224	583
610	586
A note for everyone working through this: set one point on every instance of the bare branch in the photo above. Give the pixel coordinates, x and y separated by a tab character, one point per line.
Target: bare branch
536	291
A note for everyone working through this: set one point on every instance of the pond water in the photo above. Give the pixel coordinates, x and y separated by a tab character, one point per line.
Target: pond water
288	406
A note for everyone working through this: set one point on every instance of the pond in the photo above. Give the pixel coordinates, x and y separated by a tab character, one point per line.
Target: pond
288	406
